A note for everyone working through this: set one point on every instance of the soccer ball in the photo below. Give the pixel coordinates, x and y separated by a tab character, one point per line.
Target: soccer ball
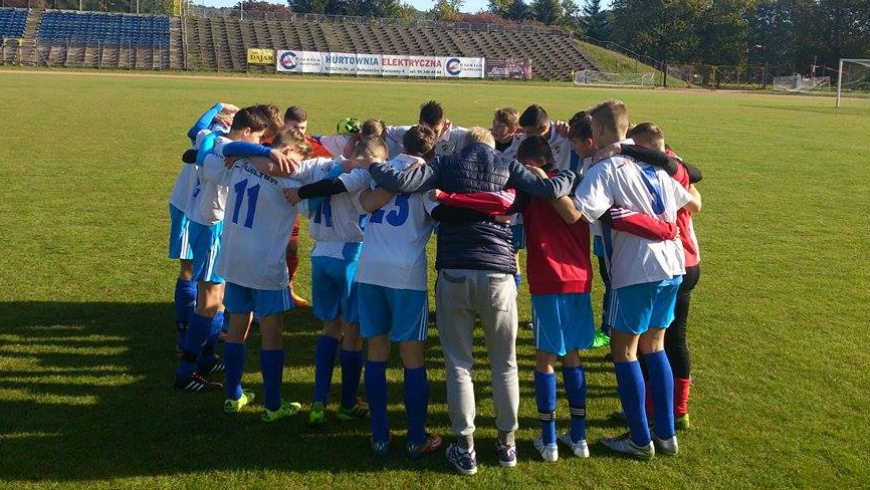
349	125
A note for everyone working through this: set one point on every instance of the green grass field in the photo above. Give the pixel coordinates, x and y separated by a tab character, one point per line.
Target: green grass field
779	327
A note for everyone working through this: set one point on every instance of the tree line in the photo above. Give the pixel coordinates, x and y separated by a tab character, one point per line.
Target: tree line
789	36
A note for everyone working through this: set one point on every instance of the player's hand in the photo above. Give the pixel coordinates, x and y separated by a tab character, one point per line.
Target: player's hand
607	152
537	171
562	128
229	108
225	119
503	219
434	194
286	166
291	195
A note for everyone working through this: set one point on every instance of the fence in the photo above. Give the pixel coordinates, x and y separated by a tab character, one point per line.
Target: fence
231	13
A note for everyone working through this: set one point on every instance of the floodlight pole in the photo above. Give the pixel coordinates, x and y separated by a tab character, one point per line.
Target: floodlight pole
839	82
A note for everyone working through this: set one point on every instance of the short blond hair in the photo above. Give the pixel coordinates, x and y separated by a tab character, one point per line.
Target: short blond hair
481	135
507	115
647	132
371	148
291	138
613	115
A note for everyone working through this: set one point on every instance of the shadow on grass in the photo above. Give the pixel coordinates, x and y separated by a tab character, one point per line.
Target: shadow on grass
85	390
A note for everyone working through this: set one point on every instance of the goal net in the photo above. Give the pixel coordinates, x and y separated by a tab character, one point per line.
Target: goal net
853	76
597	78
800	84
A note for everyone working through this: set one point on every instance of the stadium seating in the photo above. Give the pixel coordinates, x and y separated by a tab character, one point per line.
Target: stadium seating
12	22
221	43
79	27
99	39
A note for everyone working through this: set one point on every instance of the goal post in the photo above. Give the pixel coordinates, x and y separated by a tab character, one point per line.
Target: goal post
800	84
603	79
857	77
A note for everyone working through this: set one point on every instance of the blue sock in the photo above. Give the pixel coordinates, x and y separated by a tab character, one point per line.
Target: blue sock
272	364
208	352
324	363
518	278
632	393
416	399
376	390
545	394
197	334
661	382
234	359
185	303
351	369
575	391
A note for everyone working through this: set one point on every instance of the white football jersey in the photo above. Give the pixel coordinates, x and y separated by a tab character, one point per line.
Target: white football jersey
257	225
339	220
564	156
210	195
452	140
645	189
187	181
394	254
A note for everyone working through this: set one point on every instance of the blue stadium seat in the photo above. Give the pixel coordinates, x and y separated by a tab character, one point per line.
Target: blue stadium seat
12	22
80	27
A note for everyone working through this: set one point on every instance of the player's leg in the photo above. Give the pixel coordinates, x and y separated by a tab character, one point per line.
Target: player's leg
272	305
208	317
292	257
661	377
351	356
629	313
495	300
677	347
456	318
209	362
185	285
240	303
578	328
326	293
375	324
549	344
411	323
602	338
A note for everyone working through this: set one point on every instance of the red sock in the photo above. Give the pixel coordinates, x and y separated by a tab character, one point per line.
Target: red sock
648	402
681	396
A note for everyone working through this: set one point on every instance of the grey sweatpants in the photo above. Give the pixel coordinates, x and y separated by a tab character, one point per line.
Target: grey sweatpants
460	296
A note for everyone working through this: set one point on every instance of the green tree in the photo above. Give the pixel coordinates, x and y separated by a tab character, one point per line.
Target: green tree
723	33
378	8
663	29
595	21
519	11
500	7
547	12
307	6
447	10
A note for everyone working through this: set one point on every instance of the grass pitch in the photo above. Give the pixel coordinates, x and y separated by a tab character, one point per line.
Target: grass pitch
778	326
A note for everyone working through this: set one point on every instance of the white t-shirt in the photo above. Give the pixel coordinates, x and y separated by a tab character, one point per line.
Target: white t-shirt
210	196
451	141
187	183
559	145
258	222
394	254
620	181
339	220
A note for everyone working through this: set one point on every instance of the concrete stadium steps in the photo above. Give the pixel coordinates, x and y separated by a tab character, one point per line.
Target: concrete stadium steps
221	43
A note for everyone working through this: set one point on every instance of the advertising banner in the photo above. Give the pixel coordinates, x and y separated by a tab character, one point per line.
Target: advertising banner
258	56
509	68
299	62
379	65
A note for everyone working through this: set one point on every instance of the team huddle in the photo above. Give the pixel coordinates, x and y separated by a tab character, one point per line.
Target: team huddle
373	195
